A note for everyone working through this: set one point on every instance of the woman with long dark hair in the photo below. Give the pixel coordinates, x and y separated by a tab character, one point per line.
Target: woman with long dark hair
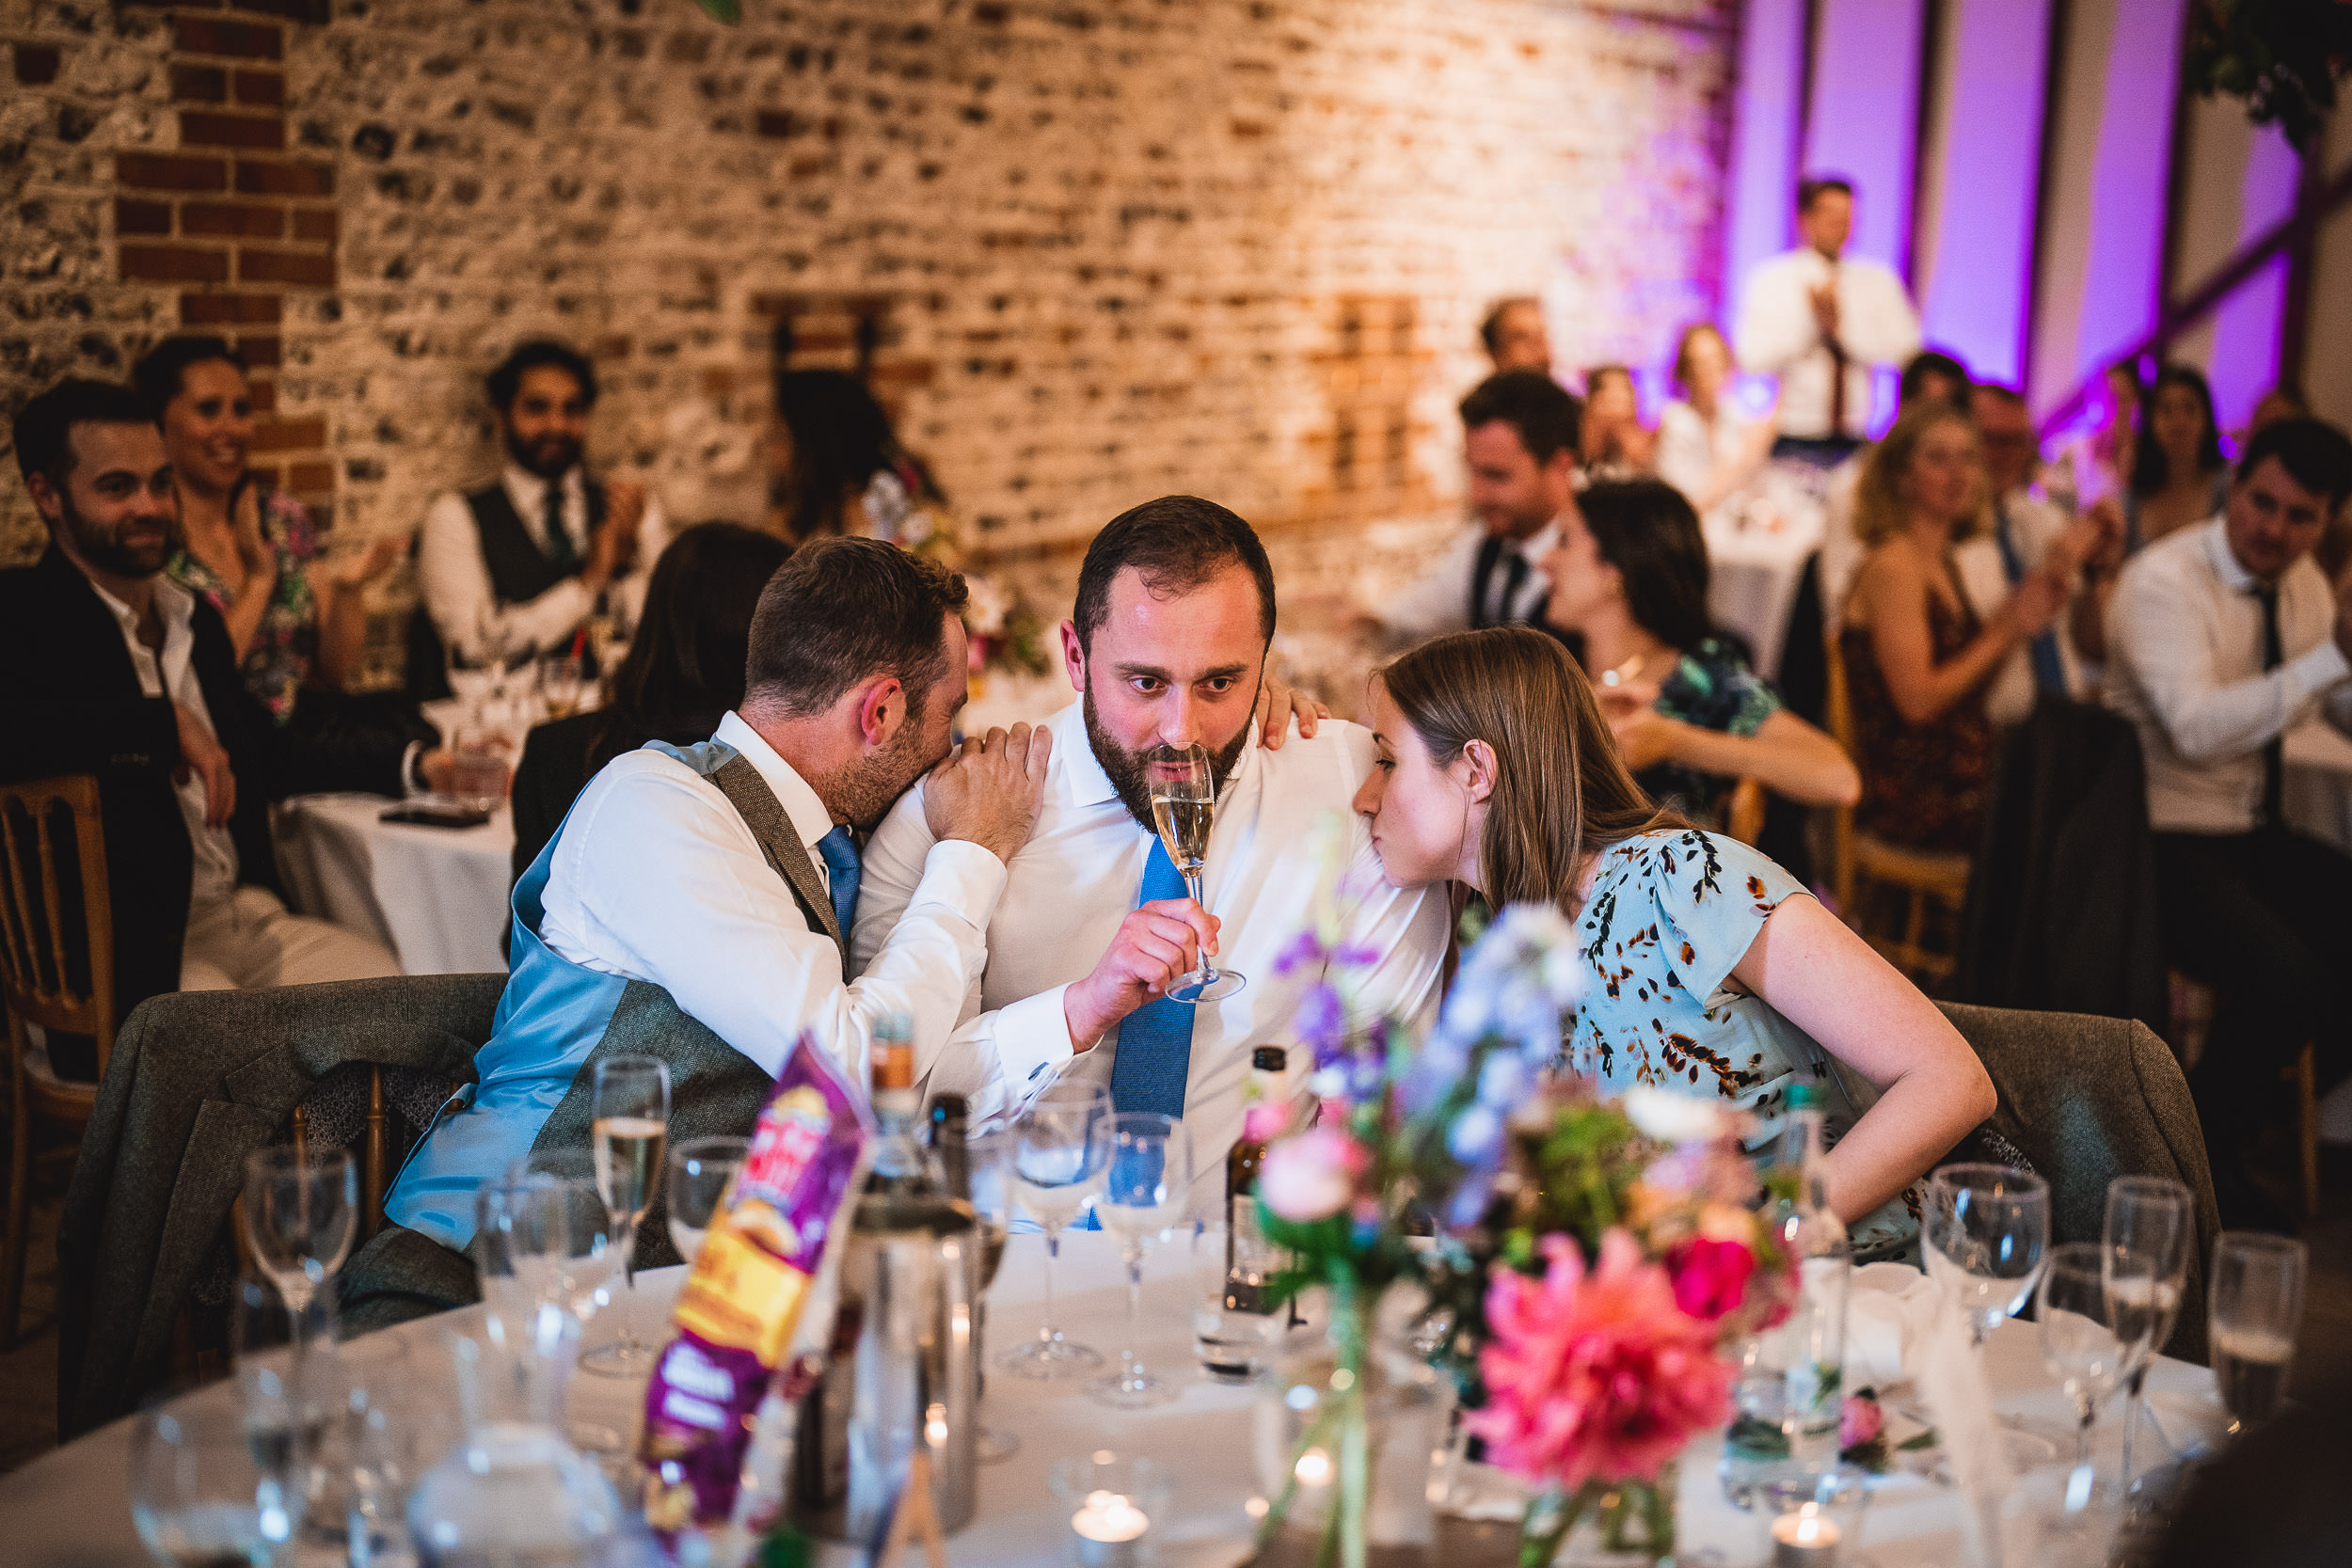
1629	577
1713	970
838	466
2178	474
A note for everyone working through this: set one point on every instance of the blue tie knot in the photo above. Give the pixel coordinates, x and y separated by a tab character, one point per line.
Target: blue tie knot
842	869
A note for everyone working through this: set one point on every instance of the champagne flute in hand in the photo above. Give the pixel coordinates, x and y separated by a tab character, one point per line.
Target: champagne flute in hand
1061	1148
1184	806
2257	1303
630	1121
1144	1194
2148	1231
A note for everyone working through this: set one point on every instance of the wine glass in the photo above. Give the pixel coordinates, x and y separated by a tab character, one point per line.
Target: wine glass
628	1123
560	685
1061	1148
1985	1230
2257	1302
1184	805
2094	1326
989	1156
2149	1227
700	1171
588	1252
202	1497
1144	1193
301	1209
558	1242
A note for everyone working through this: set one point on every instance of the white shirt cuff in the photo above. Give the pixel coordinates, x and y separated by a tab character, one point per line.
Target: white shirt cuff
2318	668
963	876
1032	1039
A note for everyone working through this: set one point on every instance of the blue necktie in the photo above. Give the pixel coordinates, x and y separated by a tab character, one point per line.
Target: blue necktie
841	867
2049	671
1155	1056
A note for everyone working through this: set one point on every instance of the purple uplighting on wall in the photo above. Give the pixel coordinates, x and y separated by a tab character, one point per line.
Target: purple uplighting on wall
1865	113
2245	327
1763	175
2125	259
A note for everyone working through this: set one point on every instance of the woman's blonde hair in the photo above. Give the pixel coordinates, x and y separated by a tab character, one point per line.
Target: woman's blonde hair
1881	511
1560	791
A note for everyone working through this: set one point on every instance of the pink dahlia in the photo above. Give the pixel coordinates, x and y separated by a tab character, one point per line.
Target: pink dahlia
1711	1277
1594	1374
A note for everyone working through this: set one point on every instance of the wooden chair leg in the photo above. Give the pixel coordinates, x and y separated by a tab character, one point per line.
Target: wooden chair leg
20	1187
372	1158
2305	1074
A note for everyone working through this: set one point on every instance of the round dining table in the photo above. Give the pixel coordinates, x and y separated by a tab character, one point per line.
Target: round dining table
70	1509
436	896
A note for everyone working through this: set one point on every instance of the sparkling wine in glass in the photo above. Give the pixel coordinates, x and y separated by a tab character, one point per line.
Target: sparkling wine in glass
701	1170
2150	1229
1062	1149
2257	1304
1986	1229
628	1126
1183	807
1144	1194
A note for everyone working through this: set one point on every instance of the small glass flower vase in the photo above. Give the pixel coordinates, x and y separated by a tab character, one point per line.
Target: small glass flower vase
1605	1524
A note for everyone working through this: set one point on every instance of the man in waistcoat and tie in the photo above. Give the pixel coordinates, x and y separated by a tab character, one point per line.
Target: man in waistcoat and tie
1521	436
518	564
1167	647
695	902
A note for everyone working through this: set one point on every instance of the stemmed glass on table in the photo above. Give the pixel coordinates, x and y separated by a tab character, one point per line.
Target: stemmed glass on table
559	1245
989	1157
1144	1194
2095	1327
700	1170
1984	1234
1184	805
629	1125
300	1213
1061	1151
202	1495
2150	1230
2257	1303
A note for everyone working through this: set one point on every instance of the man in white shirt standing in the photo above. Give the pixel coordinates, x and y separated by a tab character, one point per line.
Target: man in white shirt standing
1520	434
1166	646
2221	638
520	564
1823	323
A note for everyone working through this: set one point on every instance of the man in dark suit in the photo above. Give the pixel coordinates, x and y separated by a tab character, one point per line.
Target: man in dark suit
109	668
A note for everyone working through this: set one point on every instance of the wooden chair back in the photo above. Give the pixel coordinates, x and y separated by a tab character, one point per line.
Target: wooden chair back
1743	812
1838	717
42	945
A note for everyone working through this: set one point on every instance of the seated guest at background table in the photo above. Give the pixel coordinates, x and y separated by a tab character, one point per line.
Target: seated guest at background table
683	672
296	621
1515	336
109	668
1917	655
2223	637
1167	645
1496	771
1629	578
2024	528
1823	322
520	564
694	904
1615	444
1707	447
837	465
1930	378
2178	474
2099	462
1520	439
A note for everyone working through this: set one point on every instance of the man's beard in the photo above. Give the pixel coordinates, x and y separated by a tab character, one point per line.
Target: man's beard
866	790
106	550
1126	769
549	457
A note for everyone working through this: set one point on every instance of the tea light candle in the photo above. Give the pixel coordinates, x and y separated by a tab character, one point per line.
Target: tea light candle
1806	1539
1109	1532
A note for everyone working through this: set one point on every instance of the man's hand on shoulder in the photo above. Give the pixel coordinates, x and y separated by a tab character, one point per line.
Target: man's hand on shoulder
990	790
1278	704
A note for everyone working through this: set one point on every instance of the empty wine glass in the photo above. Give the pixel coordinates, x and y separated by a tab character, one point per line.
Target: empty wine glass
1183	807
588	1250
700	1170
1144	1193
301	1209
989	1157
202	1497
1984	1232
2257	1304
2150	1225
547	1229
1062	1147
2094	1335
628	1124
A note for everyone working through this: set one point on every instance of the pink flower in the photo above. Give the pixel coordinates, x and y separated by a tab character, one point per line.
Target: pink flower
1264	1122
1711	1277
1313	1176
1594	1374
1859	1420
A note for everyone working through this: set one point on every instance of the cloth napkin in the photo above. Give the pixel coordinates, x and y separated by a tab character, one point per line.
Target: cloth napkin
1890	1309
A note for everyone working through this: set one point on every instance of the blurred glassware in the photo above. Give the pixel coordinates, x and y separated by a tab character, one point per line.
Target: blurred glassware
202	1495
2257	1305
700	1170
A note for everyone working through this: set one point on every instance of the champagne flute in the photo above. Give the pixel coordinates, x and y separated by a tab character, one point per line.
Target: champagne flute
1062	1149
1985	1230
1144	1193
1184	805
2093	1336
2149	1227
630	1121
2257	1302
301	1209
701	1170
989	1156
564	1241
201	1497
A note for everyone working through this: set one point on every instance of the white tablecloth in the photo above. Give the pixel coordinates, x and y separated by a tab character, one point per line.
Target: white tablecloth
436	896
70	1508
1754	571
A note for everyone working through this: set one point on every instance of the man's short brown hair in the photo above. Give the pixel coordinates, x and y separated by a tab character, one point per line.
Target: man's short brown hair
1175	544
844	611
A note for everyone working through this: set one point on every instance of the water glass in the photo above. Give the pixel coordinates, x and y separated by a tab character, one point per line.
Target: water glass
301	1211
560	685
1235	1328
2257	1304
2087	1344
588	1254
2150	1230
1144	1194
988	1156
1062	1149
1984	1232
699	1172
628	1124
202	1497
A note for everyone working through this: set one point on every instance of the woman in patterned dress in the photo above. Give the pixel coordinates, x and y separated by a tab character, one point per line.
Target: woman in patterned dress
1629	577
1711	971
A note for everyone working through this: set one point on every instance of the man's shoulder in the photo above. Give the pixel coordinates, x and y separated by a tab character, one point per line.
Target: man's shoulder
1334	759
2179	562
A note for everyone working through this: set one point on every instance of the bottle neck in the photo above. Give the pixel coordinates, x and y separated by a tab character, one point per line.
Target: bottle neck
1801	1152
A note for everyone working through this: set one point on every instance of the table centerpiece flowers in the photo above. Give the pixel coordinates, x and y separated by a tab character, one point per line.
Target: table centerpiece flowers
1588	1261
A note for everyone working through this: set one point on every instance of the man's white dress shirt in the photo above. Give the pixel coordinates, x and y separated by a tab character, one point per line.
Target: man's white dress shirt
1778	335
2185	664
2032	524
454	581
170	675
1078	878
1439	602
656	877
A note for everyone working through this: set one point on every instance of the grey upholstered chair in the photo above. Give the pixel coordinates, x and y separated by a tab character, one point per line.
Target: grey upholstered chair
2087	1099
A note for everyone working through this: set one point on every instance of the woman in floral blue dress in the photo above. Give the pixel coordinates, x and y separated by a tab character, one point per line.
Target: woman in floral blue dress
1712	970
